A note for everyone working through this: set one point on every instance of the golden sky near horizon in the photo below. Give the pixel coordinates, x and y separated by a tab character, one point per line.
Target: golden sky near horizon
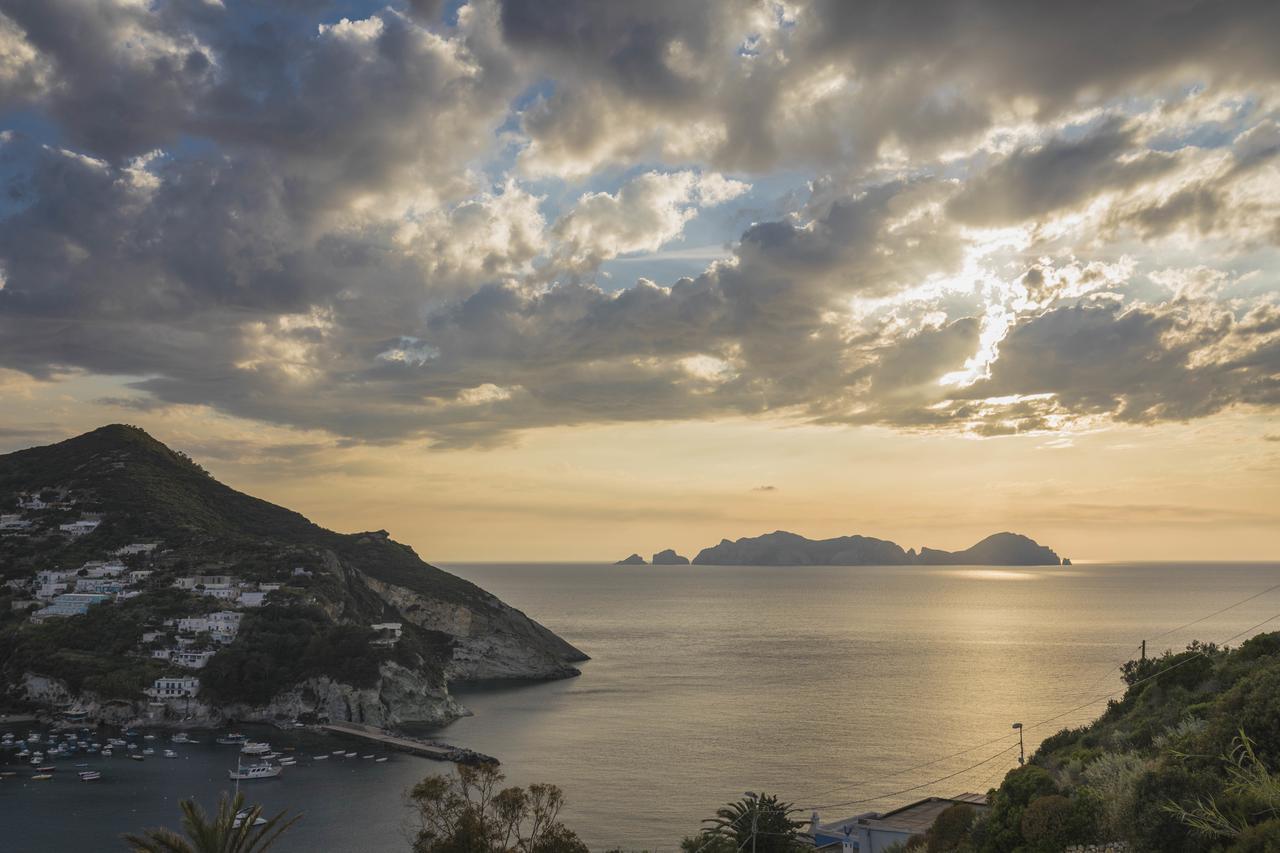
562	283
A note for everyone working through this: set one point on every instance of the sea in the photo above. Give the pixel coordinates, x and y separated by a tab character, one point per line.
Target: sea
841	689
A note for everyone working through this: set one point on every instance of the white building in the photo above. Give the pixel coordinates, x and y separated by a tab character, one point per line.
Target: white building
221	626
174	688
81	527
269	587
139	576
47	576
388	633
49	590
135	548
13	522
222	593
71	604
152	636
99	569
192	660
300	572
31	502
252	599
106	586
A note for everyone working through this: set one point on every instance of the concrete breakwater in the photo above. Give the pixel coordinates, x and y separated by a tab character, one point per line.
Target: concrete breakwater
427	749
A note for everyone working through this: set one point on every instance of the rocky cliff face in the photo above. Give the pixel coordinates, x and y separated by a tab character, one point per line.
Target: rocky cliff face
491	639
669	558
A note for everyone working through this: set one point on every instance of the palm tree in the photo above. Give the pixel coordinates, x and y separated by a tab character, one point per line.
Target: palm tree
759	823
223	834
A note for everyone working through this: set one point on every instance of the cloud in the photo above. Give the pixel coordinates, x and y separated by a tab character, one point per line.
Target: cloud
648	212
392	226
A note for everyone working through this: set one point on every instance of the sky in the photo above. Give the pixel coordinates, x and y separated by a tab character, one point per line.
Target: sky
564	280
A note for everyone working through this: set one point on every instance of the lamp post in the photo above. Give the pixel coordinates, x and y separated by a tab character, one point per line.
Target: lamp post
1021	755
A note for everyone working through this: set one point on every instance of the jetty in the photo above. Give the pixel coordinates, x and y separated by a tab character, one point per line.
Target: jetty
427	749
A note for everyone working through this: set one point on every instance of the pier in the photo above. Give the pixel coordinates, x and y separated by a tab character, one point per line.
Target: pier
433	751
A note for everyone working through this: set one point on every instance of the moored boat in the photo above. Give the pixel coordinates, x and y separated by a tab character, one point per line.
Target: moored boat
90	775
255	748
254	771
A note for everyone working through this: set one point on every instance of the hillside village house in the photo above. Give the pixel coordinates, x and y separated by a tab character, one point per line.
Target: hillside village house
221	626
388	633
12	522
139	576
31	502
135	548
105	586
81	527
252	599
174	688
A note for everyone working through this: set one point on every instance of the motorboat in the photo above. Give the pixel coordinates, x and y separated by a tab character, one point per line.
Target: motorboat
232	739
89	775
254	771
255	748
169	753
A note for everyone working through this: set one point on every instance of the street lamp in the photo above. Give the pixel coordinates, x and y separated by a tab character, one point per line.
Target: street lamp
1021	755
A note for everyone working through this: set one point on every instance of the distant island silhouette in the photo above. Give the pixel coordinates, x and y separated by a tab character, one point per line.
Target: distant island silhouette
782	548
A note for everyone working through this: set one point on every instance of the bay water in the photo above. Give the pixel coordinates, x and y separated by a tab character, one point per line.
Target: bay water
842	689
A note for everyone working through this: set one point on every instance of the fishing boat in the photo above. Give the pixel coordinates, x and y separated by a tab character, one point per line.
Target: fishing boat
232	739
181	737
255	748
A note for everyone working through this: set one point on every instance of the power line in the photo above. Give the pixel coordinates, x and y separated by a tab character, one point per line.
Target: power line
921	785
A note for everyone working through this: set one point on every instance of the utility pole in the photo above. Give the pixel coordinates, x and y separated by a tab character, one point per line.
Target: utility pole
755	815
1144	650
1022	758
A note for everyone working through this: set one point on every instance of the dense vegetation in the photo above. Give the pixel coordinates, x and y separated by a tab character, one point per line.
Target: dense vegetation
278	647
1185	761
92	652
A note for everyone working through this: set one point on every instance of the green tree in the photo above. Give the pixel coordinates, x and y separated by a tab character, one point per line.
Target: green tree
472	813
950	832
227	832
760	823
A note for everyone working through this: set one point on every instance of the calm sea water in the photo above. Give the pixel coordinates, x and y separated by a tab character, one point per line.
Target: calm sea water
827	685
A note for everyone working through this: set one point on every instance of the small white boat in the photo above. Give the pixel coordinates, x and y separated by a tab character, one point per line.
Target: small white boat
349	755
148	751
106	753
148	737
380	759
40	777
367	757
320	757
288	762
232	738
169	753
255	748
89	775
338	752
243	815
180	737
